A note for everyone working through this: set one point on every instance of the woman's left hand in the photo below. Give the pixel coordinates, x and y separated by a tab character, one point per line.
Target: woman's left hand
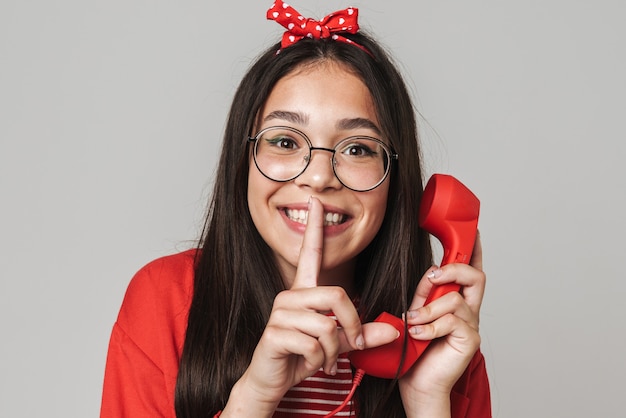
452	322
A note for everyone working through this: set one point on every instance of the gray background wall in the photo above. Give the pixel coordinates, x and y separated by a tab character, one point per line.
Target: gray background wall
111	116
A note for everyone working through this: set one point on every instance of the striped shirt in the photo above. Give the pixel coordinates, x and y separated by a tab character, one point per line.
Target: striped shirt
319	394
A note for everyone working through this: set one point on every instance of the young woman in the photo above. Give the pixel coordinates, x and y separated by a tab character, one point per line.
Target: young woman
311	232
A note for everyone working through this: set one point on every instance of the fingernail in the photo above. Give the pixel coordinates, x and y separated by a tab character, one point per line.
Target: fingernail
416	330
333	370
434	273
360	342
309	202
397	336
412	314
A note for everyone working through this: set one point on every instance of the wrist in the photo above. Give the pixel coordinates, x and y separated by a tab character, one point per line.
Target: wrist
426	404
246	402
431	407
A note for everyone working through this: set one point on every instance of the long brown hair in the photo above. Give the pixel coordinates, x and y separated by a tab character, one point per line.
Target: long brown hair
236	277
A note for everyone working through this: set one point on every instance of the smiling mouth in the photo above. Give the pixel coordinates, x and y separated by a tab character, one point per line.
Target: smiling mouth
301	216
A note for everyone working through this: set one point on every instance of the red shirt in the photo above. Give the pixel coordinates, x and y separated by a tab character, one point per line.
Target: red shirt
147	341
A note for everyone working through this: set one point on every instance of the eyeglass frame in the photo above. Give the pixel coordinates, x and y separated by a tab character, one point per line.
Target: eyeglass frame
391	155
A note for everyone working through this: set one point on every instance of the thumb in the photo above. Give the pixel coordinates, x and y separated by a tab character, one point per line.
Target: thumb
375	334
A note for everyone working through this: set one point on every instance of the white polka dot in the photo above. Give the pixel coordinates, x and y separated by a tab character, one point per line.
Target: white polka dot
285	5
335	37
318	27
350	11
288	14
291	25
292	38
275	14
342	20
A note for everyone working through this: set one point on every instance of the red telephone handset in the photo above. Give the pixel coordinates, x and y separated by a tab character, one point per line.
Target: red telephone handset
449	211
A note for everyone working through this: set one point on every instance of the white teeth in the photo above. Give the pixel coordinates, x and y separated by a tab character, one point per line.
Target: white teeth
332	218
301	216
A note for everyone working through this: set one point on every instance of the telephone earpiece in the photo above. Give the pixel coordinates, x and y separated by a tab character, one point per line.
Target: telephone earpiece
449	211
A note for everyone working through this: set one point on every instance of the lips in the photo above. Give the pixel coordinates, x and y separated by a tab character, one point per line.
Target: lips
301	216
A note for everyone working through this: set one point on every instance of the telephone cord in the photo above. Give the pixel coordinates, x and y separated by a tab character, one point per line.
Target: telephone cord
356	381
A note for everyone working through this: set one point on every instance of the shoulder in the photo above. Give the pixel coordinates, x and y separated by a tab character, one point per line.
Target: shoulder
159	294
148	338
165	274
174	269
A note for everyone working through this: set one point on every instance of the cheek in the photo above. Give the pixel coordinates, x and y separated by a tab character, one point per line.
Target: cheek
260	191
376	204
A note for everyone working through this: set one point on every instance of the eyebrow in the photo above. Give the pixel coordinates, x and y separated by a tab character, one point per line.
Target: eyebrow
303	119
293	117
356	123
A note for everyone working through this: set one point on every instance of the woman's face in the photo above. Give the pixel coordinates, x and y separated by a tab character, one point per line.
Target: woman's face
328	104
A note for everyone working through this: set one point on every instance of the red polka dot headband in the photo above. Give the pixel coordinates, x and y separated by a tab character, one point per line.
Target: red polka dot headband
299	27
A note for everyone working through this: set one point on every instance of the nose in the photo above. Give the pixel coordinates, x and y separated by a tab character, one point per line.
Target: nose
319	174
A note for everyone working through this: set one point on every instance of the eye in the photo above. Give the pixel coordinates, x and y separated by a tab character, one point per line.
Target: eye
282	142
358	149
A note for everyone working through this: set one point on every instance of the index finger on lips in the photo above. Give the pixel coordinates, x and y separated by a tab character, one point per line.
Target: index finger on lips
310	258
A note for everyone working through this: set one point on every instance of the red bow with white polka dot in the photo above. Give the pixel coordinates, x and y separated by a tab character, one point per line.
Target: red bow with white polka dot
299	27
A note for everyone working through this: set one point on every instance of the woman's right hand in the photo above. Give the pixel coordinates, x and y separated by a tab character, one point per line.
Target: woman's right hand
300	337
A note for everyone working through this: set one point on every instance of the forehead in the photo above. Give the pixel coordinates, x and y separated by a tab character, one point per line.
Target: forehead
325	90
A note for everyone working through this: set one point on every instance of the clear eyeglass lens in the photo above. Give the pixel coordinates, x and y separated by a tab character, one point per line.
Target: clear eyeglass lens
359	163
281	154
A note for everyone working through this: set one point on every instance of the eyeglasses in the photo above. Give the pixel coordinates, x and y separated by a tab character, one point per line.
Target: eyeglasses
360	163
